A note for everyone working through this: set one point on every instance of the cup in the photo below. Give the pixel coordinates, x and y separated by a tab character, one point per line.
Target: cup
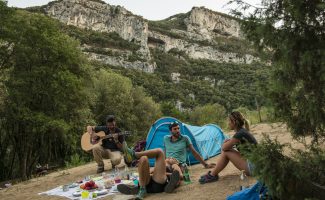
117	179
65	188
105	176
84	194
87	178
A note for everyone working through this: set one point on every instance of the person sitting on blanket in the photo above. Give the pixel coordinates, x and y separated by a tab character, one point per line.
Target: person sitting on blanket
155	183
236	122
176	146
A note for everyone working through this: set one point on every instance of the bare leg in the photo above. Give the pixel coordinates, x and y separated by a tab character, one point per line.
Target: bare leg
171	161
153	153
172	164
144	171
144	179
232	156
159	174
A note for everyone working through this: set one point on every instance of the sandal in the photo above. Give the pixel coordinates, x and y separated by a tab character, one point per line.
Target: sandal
173	182
208	178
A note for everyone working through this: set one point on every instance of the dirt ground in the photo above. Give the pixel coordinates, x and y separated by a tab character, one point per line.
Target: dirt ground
228	183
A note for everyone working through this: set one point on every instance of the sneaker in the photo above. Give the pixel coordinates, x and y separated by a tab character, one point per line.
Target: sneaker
208	178
127	189
129	154
173	182
100	169
141	194
202	177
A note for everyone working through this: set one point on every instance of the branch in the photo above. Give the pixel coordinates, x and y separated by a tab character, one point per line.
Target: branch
245	4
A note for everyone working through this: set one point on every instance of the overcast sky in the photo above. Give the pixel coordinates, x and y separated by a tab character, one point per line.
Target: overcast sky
149	9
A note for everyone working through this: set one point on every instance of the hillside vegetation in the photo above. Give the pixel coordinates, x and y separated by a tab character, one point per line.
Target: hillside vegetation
50	91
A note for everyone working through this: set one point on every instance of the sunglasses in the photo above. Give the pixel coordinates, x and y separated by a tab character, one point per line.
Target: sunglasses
173	125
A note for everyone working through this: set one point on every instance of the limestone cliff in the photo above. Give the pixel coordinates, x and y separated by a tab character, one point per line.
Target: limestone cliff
200	33
208	24
99	16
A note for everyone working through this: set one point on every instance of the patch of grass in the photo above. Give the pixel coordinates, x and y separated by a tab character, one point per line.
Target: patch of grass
165	26
75	160
99	39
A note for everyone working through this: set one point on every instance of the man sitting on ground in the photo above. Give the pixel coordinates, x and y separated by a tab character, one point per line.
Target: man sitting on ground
155	183
176	146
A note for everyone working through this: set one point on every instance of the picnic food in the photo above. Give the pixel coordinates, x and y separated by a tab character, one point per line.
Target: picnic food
90	185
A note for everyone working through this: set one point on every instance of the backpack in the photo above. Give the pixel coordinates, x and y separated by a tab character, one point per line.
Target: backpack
256	192
139	146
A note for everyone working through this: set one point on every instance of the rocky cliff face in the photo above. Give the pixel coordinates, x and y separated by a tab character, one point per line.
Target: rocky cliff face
196	51
202	26
208	24
102	17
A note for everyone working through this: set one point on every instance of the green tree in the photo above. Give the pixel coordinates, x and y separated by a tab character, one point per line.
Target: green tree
169	109
45	102
115	94
293	31
145	110
112	94
210	113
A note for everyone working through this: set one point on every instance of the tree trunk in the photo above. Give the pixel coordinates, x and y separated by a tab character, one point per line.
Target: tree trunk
258	108
12	163
22	166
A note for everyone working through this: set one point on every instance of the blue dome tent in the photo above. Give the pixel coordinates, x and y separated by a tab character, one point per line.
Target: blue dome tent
207	139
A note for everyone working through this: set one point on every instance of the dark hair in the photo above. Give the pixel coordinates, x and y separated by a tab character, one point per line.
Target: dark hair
110	118
239	120
173	124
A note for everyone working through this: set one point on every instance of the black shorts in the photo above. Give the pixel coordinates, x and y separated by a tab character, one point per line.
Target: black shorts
154	187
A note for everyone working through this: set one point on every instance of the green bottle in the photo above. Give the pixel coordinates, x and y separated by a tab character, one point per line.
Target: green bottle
186	174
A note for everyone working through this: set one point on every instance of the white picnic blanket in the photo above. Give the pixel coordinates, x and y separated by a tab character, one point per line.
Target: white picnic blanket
73	191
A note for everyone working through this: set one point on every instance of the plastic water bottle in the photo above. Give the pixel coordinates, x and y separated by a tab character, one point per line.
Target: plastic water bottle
243	180
117	175
187	178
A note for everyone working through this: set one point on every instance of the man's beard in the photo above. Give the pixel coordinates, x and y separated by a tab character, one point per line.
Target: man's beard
176	134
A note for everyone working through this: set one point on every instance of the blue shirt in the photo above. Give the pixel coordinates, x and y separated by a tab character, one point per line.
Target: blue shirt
177	149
